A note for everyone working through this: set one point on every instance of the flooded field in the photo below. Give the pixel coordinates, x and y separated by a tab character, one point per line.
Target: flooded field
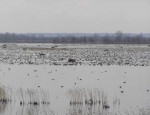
56	79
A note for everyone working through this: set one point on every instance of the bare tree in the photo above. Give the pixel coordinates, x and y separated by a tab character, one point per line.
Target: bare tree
119	35
106	39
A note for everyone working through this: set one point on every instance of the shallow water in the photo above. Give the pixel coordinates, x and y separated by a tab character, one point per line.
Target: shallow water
134	81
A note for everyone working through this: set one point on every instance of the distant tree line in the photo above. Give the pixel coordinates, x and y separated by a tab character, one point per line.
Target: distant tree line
117	38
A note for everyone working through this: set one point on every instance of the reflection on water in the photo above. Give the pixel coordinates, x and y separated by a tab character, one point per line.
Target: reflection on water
13	109
6	108
34	110
80	109
9	109
2	108
87	110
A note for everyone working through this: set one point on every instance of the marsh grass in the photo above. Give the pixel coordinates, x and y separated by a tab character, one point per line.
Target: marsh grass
45	96
21	96
3	93
116	102
6	94
33	97
82	102
87	97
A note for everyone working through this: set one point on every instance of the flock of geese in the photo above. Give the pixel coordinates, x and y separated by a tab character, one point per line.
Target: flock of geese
131	56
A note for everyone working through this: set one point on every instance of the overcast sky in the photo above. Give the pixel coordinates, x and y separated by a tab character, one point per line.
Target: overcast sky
74	16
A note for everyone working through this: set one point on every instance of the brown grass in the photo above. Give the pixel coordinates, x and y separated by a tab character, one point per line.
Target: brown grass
3	94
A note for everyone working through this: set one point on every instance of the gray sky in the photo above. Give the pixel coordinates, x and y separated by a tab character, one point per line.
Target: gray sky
74	16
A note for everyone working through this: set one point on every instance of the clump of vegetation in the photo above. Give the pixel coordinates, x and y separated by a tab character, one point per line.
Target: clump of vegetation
3	97
5	94
33	97
87	97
